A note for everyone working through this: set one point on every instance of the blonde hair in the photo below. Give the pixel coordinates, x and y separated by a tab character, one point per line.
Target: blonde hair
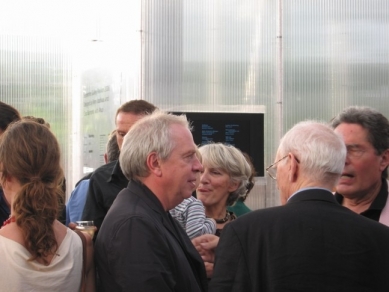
231	160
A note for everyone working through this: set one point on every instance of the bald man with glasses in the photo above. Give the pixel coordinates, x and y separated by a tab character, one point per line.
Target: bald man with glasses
311	243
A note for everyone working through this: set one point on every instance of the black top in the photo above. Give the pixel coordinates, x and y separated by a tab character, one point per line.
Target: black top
104	185
4	209
375	209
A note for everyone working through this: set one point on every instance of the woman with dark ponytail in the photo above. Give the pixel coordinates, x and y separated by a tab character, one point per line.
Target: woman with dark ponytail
37	252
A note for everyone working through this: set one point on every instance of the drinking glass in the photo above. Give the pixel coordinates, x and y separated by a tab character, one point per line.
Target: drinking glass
86	227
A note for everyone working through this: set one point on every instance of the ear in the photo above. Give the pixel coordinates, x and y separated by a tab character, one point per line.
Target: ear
293	168
153	164
233	186
7	180
105	158
384	160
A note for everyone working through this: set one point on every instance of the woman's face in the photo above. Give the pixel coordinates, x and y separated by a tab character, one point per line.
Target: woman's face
215	187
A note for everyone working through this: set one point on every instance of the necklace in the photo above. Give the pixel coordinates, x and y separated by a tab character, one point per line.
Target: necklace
225	219
9	220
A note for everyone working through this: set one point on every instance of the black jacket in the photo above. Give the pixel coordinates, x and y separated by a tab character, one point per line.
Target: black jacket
310	244
140	247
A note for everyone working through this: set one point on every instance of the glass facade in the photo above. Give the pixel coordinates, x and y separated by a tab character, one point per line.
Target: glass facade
291	60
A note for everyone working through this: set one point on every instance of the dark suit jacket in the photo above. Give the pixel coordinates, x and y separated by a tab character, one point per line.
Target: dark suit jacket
141	248
310	244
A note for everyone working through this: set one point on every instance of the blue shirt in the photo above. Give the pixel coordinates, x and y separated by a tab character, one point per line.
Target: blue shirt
76	203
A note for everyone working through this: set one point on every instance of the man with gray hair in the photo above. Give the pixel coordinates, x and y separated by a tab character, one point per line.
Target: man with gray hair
311	243
140	247
363	186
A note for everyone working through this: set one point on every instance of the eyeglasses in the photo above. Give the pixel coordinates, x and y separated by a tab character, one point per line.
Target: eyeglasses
354	151
272	171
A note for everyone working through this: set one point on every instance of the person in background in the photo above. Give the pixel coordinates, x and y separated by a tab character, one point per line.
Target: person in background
190	214
108	180
240	208
311	243
140	247
37	120
38	252
8	114
224	178
112	150
76	203
363	186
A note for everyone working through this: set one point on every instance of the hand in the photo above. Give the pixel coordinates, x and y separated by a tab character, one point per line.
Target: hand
206	245
209	269
72	225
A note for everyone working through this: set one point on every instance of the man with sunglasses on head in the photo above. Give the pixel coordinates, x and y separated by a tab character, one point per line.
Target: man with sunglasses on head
363	187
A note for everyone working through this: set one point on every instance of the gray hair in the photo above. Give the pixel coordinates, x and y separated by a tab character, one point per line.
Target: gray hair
320	151
149	134
376	124
231	160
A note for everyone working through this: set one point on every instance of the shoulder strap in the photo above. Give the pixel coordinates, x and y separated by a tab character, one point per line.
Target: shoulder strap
384	217
83	275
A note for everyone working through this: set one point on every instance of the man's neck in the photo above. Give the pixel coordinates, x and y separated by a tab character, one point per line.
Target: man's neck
359	204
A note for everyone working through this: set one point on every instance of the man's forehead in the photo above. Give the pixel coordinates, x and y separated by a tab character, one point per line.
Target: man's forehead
127	118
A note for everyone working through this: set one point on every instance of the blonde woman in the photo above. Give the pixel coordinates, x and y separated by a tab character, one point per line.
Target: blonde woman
224	179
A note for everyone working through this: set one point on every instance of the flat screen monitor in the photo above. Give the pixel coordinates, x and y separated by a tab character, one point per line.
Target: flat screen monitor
242	130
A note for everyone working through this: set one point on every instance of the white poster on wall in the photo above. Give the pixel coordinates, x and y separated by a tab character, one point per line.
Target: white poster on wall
101	95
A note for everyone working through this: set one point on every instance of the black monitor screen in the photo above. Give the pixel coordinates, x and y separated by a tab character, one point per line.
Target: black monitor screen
244	131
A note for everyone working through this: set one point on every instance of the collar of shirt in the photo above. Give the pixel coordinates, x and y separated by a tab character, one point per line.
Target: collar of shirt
308	188
117	173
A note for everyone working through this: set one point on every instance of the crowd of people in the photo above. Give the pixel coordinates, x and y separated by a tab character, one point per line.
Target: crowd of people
170	215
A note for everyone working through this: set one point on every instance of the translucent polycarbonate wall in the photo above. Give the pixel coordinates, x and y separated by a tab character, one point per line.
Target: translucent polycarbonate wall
37	69
335	54
208	52
212	56
291	60
36	78
54	55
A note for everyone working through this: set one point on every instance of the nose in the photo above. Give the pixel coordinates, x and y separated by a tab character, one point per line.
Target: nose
204	177
347	161
197	166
